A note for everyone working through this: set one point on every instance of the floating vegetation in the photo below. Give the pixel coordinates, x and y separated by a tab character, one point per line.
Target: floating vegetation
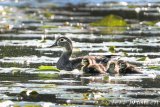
154	67
48	14
48	76
48	27
111	24
47	68
145	58
106	78
112	49
110	21
150	23
32	105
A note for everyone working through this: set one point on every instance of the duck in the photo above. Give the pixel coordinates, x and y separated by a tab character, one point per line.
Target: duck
65	62
90	66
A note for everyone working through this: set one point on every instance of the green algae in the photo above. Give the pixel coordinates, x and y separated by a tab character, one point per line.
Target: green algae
110	21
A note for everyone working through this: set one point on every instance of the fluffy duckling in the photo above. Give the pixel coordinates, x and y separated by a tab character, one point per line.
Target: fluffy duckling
90	66
126	68
112	67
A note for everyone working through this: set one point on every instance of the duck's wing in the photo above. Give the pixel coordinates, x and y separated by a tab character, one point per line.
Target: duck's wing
76	63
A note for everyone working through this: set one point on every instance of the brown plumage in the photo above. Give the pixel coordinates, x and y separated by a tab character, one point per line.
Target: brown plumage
90	66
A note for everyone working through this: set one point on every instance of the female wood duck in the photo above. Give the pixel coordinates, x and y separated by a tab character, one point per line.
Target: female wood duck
65	63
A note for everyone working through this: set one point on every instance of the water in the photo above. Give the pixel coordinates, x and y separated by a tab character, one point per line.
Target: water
24	38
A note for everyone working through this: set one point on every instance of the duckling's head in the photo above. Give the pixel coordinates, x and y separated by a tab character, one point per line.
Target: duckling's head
122	66
85	62
63	42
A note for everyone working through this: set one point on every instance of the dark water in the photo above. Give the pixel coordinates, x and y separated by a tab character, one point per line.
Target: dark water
26	30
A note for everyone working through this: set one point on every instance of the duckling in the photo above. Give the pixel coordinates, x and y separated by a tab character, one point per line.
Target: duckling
64	62
112	68
90	66
121	67
126	68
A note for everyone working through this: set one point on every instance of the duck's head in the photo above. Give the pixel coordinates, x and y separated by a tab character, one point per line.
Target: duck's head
63	42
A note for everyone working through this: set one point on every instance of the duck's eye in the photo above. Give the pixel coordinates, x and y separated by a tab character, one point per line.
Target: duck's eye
61	40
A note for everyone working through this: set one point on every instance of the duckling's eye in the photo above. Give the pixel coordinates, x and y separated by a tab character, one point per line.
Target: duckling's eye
112	65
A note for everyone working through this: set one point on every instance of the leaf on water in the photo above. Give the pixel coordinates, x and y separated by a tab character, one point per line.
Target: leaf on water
143	58
32	105
48	68
154	67
112	49
48	27
50	86
106	78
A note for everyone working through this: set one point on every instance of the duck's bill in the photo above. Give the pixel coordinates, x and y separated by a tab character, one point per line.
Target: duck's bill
54	45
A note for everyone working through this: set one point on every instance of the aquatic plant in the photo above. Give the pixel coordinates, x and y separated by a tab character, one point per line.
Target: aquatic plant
47	68
154	67
110	24
110	21
112	49
48	14
145	58
48	76
48	27
32	105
